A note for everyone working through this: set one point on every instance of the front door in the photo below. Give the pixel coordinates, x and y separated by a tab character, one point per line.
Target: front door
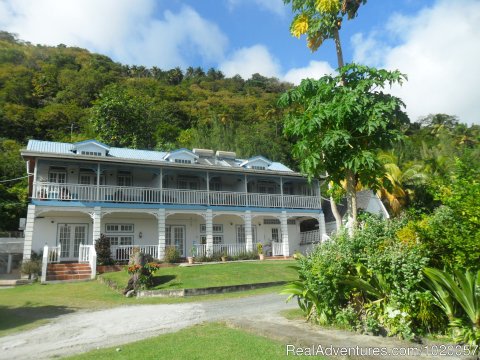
175	236
70	236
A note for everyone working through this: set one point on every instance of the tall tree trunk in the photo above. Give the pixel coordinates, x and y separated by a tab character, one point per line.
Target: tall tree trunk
351	200
333	205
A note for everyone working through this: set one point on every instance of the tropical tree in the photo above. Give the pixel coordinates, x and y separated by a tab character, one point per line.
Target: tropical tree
397	185
339	128
320	20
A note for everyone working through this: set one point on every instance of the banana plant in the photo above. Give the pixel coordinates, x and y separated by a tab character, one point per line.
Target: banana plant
458	295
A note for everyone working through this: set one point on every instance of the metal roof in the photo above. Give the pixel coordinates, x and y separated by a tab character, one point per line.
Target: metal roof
51	147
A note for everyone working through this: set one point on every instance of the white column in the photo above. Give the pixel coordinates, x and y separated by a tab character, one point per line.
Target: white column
209	231
98	185
97	223
248	230
321	226
28	232
161	233
284	227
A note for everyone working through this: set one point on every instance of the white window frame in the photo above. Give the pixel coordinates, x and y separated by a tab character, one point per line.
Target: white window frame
182	161
119	228
91	153
120	239
217	239
241	237
124	179
54	175
217	228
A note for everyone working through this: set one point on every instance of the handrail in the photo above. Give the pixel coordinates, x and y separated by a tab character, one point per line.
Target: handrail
147	195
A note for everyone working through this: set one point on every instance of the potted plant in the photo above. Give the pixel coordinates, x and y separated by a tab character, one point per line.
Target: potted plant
193	252
260	251
224	256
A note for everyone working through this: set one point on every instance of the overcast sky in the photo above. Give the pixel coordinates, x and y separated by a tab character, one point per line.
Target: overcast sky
435	42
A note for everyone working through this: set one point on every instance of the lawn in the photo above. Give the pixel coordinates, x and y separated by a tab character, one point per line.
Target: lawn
230	273
28	306
206	341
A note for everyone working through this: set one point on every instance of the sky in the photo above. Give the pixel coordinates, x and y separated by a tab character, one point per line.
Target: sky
435	42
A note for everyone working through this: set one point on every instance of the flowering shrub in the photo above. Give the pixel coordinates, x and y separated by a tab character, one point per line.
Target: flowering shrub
144	274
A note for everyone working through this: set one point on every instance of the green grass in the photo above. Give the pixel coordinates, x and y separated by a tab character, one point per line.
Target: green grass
28	306
206	341
293	314
234	273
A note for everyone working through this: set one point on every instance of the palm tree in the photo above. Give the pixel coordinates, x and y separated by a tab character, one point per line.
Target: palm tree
397	183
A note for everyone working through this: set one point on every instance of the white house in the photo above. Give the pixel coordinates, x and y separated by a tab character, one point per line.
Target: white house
209	200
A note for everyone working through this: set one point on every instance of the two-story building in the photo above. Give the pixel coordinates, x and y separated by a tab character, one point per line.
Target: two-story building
210	201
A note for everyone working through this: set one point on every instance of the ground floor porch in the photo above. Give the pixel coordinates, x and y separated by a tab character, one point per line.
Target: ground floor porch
193	231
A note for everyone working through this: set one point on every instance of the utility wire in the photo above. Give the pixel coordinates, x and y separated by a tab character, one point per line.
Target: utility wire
23	177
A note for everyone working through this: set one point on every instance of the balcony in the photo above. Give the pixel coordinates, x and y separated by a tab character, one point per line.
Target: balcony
147	195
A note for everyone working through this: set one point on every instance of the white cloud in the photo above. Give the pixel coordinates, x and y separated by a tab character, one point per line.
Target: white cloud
276	7
438	49
251	60
314	70
124	29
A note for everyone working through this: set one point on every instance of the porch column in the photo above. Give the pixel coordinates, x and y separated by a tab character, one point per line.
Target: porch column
161	233
248	230
209	231
321	226
28	232
284	227
98	187
97	223
281	191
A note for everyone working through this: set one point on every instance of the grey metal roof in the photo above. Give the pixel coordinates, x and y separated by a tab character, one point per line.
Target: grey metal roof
134	154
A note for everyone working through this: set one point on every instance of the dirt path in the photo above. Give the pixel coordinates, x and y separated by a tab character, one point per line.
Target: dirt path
83	331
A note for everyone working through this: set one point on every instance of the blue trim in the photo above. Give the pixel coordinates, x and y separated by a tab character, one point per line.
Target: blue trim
166	206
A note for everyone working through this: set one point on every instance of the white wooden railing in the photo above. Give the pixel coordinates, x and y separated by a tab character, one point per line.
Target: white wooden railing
221	249
123	252
310	237
277	248
50	255
146	195
88	254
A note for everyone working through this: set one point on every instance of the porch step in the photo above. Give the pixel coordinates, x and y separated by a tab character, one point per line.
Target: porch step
70	271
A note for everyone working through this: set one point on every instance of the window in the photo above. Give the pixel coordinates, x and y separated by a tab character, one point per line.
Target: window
256	167
277	222
90	178
124	179
187	183
183	161
217	228
117	228
91	153
57	175
266	187
215	186
217	239
275	235
120	239
240	232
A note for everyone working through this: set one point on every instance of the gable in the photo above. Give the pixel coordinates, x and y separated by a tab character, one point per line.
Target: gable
182	156
90	148
257	163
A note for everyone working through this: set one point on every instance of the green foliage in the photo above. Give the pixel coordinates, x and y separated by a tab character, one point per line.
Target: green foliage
32	268
102	247
371	271
458	295
171	255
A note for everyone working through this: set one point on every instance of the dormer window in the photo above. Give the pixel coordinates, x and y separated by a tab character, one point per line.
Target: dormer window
91	153
256	167
183	161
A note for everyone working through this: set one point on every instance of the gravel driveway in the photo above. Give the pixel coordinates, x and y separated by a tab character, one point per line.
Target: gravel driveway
86	330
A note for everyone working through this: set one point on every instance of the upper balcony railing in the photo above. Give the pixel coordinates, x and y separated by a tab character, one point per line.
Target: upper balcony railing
146	195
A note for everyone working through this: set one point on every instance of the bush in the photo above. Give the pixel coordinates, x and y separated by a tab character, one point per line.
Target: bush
171	255
104	254
32	268
391	275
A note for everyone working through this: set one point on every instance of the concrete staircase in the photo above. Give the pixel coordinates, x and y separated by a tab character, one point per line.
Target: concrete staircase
68	271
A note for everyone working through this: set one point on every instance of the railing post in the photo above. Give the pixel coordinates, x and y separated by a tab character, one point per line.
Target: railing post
93	262
44	264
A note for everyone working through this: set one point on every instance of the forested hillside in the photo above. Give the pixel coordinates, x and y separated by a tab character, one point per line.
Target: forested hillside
69	94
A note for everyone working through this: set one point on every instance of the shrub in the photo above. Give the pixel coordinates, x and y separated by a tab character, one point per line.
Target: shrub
389	280
104	254
172	255
32	268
